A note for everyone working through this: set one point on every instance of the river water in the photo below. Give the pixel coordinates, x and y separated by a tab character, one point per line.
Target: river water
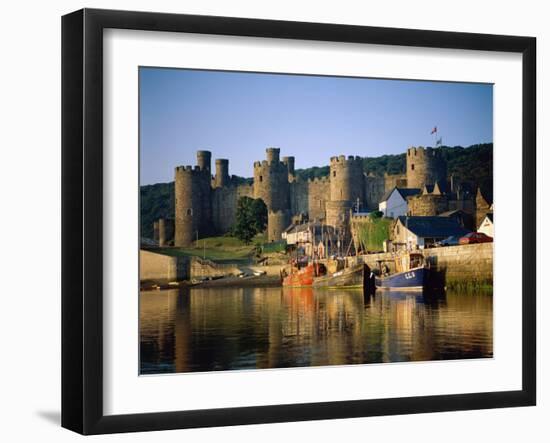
199	329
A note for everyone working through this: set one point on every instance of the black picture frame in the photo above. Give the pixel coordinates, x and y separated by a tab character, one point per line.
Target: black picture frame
82	215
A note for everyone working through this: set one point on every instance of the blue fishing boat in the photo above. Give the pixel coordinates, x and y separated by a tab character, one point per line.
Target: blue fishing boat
410	273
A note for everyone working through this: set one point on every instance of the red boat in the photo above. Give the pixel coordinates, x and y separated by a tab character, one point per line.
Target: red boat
303	276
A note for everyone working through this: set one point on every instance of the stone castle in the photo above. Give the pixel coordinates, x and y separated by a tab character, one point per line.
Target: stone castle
206	204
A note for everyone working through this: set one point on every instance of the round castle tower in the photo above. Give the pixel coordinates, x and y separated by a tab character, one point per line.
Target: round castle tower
204	160
271	185
346	188
277	222
426	166
162	231
289	162
222	173
193	207
271	181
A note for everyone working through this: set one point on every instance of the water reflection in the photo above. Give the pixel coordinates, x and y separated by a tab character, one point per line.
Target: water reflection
247	328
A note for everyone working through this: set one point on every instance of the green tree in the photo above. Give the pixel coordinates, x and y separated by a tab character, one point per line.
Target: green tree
251	218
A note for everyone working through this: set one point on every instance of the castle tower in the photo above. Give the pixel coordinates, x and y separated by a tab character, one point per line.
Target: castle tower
277	222
426	166
271	181
162	232
346	188
204	160
187	205
271	185
193	206
289	162
222	173
156	231
204	177
272	155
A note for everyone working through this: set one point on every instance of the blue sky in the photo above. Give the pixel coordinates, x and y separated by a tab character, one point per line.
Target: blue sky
237	115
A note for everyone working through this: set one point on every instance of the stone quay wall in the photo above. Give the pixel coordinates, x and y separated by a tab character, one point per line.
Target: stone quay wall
155	267
160	268
200	268
452	264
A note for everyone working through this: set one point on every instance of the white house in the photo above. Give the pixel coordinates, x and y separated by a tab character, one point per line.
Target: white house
419	232
312	237
394	204
487	225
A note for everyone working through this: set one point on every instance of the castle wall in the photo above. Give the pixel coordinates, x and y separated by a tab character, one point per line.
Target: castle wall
299	197
428	205
375	189
395	181
224	205
318	193
338	213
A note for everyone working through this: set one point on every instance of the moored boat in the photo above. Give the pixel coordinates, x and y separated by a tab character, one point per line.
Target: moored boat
351	277
411	273
302	276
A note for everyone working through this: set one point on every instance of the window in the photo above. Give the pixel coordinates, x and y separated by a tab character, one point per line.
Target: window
261	178
334	173
189	211
412	167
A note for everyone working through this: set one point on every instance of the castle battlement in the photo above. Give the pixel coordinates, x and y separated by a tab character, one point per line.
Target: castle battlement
184	168
320	180
192	170
422	151
342	160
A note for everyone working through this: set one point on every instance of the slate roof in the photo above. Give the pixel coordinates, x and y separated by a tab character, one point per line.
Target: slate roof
405	192
433	226
452	213
316	228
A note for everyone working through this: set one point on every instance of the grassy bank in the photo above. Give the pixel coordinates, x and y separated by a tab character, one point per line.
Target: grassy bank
218	249
372	233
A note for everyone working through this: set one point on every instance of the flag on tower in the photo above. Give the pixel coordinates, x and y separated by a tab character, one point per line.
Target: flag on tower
434	130
439	141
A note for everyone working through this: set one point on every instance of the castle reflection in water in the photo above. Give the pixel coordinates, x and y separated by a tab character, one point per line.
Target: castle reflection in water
190	330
